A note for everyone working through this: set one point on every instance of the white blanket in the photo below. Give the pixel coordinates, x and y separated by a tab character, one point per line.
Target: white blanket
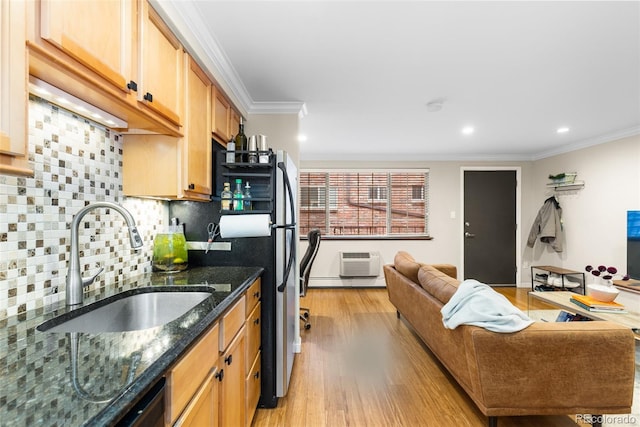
475	303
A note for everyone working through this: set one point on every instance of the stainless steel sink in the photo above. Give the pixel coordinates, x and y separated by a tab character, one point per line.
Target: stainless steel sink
128	313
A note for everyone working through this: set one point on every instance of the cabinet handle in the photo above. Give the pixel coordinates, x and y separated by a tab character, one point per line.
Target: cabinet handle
147	96
220	375
256	322
256	375
192	186
229	359
133	86
257	295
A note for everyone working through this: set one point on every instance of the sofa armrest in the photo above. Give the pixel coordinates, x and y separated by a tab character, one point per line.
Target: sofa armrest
448	269
573	367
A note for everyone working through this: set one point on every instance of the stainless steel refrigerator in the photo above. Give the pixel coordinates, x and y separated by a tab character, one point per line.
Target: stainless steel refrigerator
274	192
287	272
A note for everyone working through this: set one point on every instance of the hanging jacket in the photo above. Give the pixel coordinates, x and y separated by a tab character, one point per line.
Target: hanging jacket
548	225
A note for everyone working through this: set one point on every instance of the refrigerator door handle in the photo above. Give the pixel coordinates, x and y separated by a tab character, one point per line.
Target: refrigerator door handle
287	226
291	226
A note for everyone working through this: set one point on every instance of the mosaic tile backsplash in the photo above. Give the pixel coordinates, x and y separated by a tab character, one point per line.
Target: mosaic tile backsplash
76	162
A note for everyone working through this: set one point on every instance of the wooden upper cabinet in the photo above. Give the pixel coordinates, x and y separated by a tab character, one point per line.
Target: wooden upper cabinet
224	117
221	115
96	33
160	64
234	122
13	89
115	54
197	153
169	167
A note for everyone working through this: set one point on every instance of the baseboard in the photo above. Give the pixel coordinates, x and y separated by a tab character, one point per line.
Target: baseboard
343	282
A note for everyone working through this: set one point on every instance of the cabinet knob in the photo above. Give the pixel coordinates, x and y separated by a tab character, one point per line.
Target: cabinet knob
256	375
133	86
229	359
220	375
149	97
192	186
256	322
256	295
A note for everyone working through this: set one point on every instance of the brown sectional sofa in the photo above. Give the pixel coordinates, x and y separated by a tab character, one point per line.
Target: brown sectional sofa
545	369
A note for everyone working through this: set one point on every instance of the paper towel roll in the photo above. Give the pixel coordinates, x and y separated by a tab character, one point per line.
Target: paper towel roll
232	226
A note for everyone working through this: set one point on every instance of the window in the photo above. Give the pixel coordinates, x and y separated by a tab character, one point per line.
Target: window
380	203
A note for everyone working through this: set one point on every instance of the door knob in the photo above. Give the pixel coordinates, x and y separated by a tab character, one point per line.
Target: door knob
469	235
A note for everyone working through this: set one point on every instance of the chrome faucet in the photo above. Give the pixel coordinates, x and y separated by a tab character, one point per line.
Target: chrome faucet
75	282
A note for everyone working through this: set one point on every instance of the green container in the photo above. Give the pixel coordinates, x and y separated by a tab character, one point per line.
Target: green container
170	253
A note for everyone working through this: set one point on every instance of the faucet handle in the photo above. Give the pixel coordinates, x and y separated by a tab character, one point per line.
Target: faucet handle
90	280
134	235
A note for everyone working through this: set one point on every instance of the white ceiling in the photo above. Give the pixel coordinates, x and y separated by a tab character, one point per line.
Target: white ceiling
365	70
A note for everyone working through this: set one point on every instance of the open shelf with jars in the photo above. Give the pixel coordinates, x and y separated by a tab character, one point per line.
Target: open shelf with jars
259	175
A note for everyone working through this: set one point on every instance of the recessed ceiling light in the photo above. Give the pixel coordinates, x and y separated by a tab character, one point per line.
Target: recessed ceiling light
563	130
468	130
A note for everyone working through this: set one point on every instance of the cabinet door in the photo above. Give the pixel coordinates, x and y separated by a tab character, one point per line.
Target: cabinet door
203	409
232	386
160	65
221	110
96	33
197	148
253	335
185	378
234	122
13	89
253	389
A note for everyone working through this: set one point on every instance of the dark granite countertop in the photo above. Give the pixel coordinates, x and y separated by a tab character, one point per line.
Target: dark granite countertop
40	385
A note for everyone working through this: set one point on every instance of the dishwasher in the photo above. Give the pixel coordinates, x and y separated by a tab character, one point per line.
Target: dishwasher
149	411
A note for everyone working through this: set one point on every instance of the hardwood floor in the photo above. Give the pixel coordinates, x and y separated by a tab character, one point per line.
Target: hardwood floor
362	366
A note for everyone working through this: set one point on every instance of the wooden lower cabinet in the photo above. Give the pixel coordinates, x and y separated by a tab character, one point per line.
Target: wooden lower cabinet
189	373
232	384
253	389
217	383
203	408
254	342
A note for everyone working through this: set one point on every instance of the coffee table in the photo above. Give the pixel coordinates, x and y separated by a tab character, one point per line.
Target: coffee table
545	306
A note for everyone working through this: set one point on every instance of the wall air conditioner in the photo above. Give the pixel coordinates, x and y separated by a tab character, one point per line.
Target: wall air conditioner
359	264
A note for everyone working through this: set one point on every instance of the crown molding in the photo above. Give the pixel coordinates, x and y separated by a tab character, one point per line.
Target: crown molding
602	139
186	22
278	108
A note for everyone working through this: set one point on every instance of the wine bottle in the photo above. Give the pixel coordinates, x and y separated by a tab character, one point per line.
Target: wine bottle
241	144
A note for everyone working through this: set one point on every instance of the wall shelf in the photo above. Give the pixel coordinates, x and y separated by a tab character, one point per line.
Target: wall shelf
576	185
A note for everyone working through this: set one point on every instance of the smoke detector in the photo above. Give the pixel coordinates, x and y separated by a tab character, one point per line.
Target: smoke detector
435	105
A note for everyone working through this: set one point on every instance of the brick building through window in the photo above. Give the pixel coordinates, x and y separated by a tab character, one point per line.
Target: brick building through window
373	203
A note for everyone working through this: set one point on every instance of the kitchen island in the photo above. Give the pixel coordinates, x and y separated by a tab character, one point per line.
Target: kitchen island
40	385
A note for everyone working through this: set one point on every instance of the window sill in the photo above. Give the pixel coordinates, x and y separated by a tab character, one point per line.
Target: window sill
324	237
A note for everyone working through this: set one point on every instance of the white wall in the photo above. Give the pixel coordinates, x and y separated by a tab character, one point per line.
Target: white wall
281	130
445	200
594	217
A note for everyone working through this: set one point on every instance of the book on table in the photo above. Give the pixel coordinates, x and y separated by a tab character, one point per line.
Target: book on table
591	304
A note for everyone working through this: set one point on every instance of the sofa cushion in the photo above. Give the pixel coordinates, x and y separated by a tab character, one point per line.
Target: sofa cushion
407	265
437	283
